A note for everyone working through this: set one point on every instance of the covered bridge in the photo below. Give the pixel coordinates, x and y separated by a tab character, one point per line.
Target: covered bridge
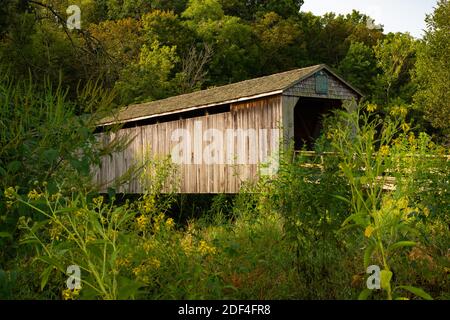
219	137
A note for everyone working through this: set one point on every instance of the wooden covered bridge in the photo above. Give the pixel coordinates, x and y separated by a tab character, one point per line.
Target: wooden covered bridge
219	137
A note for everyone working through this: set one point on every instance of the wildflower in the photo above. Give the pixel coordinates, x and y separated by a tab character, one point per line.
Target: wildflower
329	135
399	111
369	230
384	151
90	238
169	223
148	246
186	244
142	222
123	262
402	203
10	193
411	138
113	234
55	196
34	195
154	263
157	221
55	233
371	107
138	270
70	294
98	201
426	211
205	249
149	204
78	213
405	127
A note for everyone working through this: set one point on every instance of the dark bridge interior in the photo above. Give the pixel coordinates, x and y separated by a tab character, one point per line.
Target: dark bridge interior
308	118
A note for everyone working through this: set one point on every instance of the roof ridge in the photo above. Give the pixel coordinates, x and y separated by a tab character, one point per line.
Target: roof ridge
247	89
226	85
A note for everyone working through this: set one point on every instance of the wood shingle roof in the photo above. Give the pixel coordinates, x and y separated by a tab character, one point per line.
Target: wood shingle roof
263	86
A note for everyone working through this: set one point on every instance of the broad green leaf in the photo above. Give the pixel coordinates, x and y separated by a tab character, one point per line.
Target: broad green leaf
45	275
342	198
417	291
50	155
358	218
13	166
368	254
127	288
401	244
52	262
386	277
365	294
5	234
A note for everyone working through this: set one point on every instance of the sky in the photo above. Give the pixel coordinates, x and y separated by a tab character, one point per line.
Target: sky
395	15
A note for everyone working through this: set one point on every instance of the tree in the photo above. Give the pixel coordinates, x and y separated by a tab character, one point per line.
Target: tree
249	10
149	78
122	40
231	40
281	43
433	68
395	57
359	67
168	29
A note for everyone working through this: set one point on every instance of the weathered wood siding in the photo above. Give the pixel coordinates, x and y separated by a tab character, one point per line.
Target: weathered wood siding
199	176
336	89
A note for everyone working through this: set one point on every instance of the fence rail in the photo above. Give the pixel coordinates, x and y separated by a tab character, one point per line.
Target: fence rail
389	182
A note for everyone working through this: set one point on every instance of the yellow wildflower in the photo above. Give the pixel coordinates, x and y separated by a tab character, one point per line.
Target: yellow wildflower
405	127
369	230
123	262
149	204
186	244
69	294
329	135
205	249
34	195
55	196
142	222
154	263
371	107
90	238
402	203
10	193
384	151
426	211
55	233
399	111
148	246
169	223
98	201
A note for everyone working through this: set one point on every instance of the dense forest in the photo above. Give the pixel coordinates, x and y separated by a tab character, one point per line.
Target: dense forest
284	238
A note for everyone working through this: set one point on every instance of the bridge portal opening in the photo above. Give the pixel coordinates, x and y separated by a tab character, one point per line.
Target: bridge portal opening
308	120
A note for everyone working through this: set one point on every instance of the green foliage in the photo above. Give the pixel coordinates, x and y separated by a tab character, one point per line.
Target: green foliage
359	67
371	150
395	56
148	79
433	69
